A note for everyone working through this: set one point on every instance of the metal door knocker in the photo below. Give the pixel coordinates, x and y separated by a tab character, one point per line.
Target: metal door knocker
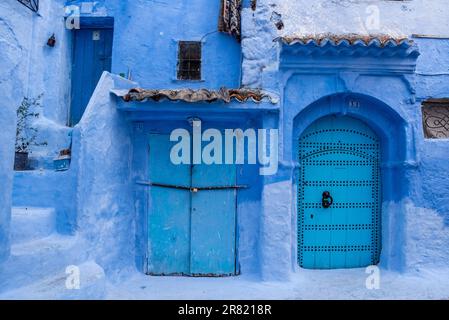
327	199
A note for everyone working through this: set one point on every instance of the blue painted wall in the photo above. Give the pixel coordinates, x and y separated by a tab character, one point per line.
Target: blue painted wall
152	58
146	47
164	117
415	193
103	189
38	70
109	153
48	189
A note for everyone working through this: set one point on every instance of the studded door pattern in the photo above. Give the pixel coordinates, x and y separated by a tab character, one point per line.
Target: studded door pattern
339	155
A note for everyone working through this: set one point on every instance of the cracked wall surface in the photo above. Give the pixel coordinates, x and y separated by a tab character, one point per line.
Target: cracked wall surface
426	196
395	18
145	46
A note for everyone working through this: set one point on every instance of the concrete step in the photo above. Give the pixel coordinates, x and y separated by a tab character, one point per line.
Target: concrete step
92	285
41	258
28	223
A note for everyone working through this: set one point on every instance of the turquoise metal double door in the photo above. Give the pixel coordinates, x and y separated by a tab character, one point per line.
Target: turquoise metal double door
192	215
339	195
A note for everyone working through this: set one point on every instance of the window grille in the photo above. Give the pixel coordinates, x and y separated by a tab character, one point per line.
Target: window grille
189	60
435	113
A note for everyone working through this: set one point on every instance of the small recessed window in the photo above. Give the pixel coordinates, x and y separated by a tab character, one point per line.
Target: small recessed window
435	114
189	60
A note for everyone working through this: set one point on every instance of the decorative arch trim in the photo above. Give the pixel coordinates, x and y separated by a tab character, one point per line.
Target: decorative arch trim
389	126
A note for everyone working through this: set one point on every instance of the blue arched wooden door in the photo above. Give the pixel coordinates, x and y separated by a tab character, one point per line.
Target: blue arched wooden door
339	195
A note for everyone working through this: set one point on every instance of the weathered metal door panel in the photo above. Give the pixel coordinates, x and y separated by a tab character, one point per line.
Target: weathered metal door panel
92	54
169	214
339	155
213	220
192	215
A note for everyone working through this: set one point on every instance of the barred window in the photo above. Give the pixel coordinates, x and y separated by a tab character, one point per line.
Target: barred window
189	60
435	113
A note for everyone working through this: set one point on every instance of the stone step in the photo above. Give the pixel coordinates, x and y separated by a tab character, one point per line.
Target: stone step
37	259
28	223
92	285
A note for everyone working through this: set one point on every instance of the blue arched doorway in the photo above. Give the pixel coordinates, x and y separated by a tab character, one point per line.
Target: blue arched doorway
339	194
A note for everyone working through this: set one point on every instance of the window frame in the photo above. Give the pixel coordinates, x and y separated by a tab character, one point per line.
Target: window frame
189	57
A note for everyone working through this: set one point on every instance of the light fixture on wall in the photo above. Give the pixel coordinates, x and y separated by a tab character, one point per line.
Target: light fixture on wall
51	41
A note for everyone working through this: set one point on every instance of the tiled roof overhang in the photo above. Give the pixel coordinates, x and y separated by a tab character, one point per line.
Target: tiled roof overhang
352	45
201	95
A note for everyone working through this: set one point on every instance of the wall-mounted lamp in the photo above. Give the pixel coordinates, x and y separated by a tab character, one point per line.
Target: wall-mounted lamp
51	41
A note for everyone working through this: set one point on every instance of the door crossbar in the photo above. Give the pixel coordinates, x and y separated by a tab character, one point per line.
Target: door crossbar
191	189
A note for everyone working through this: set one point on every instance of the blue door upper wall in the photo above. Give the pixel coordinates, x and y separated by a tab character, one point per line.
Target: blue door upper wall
146	35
